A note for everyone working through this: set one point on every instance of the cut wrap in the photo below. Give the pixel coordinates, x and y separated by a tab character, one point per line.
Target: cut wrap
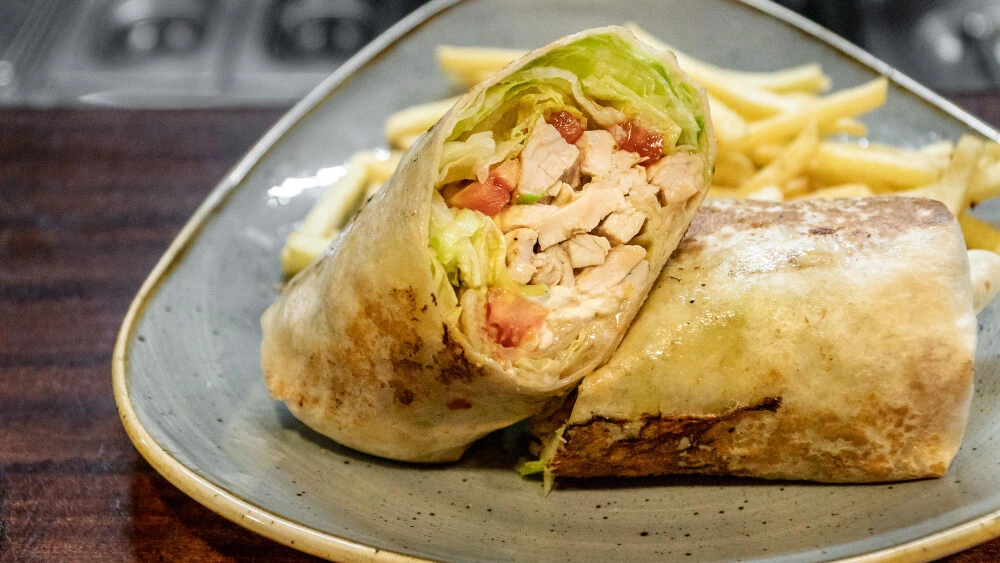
826	340
506	257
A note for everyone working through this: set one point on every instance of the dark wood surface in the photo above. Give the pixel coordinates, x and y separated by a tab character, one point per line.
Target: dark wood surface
89	200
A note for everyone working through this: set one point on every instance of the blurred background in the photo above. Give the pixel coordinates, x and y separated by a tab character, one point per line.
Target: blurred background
217	53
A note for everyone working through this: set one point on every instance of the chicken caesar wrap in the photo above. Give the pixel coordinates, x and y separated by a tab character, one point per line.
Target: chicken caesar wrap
824	340
505	258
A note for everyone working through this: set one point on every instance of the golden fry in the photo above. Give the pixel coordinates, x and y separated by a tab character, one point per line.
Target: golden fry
986	182
718	192
301	249
850	162
332	210
842	191
411	122
951	189
978	233
763	154
754	103
788	164
470	65
796	187
379	170
846	126
938	154
846	103
729	126
808	78
767	193
732	169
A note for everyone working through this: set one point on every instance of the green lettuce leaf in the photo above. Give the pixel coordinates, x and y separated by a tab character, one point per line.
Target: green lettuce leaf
468	246
603	75
525	467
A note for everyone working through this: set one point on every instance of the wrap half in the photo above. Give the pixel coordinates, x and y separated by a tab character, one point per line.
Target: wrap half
505	258
826	340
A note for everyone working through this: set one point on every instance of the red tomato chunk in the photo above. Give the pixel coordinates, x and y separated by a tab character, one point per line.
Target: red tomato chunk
567	125
491	196
638	139
510	318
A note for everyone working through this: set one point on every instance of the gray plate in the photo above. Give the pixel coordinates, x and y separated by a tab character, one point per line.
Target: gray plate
192	397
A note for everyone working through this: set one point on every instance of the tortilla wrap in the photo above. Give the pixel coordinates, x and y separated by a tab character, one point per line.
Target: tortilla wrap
371	346
825	340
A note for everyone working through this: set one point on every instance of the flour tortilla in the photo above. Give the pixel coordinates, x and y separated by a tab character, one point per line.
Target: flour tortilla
361	349
825	340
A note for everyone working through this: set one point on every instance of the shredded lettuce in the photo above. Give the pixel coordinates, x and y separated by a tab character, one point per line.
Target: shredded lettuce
466	159
603	78
526	467
602	75
468	245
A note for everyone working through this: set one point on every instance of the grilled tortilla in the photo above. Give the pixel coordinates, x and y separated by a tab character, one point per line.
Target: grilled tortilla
826	340
506	257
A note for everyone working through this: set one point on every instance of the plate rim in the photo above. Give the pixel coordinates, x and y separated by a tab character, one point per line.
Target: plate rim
329	546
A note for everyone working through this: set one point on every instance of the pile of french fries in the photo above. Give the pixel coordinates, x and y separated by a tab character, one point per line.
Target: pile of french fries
780	136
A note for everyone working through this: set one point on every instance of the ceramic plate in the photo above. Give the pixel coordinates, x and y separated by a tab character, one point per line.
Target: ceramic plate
192	396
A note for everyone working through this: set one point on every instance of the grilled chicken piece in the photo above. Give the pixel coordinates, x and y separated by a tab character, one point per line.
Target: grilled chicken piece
546	159
553	267
622	226
622	180
677	177
621	260
596	148
587	250
580	216
520	252
566	195
525	216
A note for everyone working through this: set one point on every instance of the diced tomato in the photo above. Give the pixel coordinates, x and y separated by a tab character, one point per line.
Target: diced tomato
491	196
567	125
638	139
510	317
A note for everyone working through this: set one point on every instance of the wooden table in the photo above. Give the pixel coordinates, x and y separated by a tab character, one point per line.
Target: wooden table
88	201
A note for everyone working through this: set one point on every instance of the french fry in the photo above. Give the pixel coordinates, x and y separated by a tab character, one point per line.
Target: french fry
372	188
470	65
732	169
379	169
951	189
404	143
985	184
763	154
846	126
938	154
327	216
749	101
718	192
845	190
413	121
846	103
729	126
808	78
301	249
788	164
796	187
978	233
767	193
874	164
332	209
986	181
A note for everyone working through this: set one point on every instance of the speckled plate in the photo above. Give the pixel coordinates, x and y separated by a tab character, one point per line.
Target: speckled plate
192	397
